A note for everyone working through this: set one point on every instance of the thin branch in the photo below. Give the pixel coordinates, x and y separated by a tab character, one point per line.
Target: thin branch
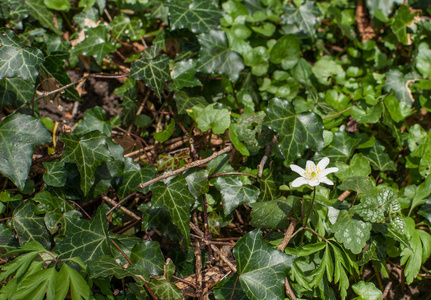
186	167
119	203
184	281
289	289
262	163
386	291
236	99
338	113
79	206
125	210
287	235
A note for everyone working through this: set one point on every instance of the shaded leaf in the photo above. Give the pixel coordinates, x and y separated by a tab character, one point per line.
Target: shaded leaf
360	184
326	68
403	18
106	266
148	255
183	74
229	288
341	148
164	135
423	62
163	287
359	166
286	51
185	102
37	284
197	181
55	173
302	19
261	269
94	119
19	134
8	242
271	214
134	175
378	158
218	120
38	10
396	81
124	27
15	91
69	277
216	57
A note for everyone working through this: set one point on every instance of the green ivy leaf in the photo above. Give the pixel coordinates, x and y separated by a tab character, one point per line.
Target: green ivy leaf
423	62
134	175
163	287
216	57
15	91
326	68
29	226
87	239
360	184
261	269
359	166
198	15
251	132
38	10
378	158
185	102
341	148
396	81
227	287
377	208
197	181
87	152
56	174
286	51
398	110
97	44
69	277
366	291
301	20
16	60
183	74
94	119
164	135
87	15
124	27
385	7
19	134
106	266
403	18
148	255
175	197
271	214
7	239
352	233
257	59
218	120
296	131
155	72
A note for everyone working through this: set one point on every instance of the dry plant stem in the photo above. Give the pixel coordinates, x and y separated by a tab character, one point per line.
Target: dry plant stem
186	167
141	107
184	281
315	233
79	206
344	195
338	113
198	267
379	280
289	291
287	235
125	210
268	148
195	156
128	227
224	258
386	291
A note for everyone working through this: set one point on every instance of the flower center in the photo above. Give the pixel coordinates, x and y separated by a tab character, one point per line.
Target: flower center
312	172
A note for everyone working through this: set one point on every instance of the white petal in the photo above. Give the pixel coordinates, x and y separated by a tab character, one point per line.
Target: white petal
323	163
299	181
310	164
325	180
328	171
297	169
314	182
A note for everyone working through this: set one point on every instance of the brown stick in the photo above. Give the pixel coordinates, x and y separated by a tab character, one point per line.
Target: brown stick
125	210
262	163
386	291
186	167
287	235
289	289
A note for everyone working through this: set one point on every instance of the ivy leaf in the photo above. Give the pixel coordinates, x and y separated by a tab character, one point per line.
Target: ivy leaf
366	291
352	233
16	60
183	74
423	62
385	6
271	214
148	255
69	277
227	287
96	43
106	266
301	20
185	102
378	158
251	132
122	26
56	174
403	18
30	227
326	68
396	81
216	57
218	120
198	15
261	269
286	51
87	152
360	184
155	72
87	239
359	166
163	287
377	208
296	131
19	134
341	148
257	59
234	193
164	135
94	119
15	91
134	175
197	181
7	239
175	197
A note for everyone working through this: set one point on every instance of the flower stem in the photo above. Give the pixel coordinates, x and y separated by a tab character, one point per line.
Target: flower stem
311	207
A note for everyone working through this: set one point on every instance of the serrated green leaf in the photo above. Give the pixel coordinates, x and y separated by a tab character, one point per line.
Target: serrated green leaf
301	20
234	193
87	152
106	266
164	135
16	60
176	199
341	148
286	51
155	72
124	27
55	173
69	277
183	74
198	15
403	18
296	131
197	181
218	120
261	269
271	214
15	91
366	291
360	184
378	158
37	285
148	255
377	208
352	233
215	56
29	226
96	43
134	175
87	239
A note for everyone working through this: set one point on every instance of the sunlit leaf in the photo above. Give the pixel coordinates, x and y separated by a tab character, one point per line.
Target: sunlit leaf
301	20
378	158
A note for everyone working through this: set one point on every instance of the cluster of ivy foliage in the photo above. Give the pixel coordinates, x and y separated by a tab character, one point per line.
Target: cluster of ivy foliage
264	84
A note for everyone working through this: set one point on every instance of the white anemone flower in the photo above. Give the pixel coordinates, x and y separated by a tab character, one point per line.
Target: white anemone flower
313	175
